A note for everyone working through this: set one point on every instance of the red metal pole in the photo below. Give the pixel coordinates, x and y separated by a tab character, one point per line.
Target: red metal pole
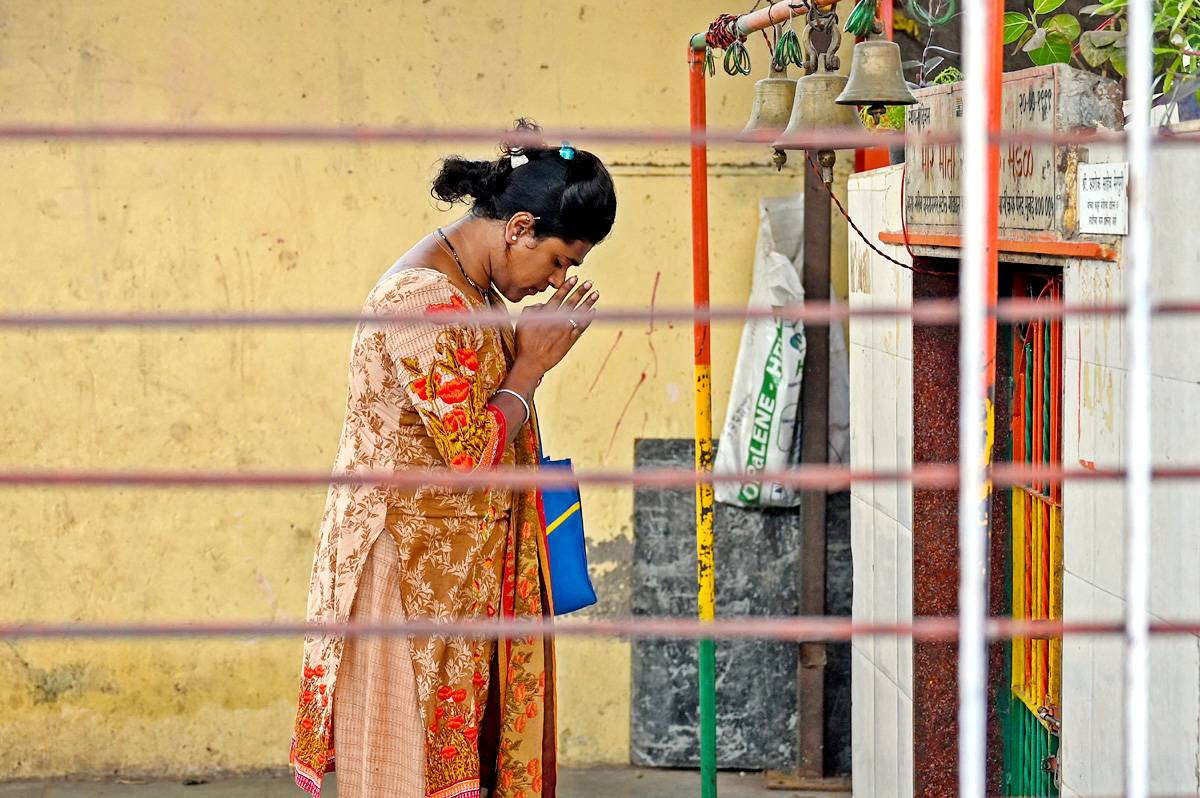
699	172
996	79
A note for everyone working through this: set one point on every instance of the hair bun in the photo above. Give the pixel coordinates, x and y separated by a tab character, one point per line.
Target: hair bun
572	198
460	178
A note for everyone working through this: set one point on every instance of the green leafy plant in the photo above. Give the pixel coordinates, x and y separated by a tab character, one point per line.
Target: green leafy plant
950	74
1050	38
1046	39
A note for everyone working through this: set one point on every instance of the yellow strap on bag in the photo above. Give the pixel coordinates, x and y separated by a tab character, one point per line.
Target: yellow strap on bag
574	508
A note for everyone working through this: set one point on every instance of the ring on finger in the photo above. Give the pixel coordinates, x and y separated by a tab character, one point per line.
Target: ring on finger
574	324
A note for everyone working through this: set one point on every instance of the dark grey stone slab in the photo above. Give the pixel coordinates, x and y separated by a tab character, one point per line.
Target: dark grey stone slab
757	555
839	585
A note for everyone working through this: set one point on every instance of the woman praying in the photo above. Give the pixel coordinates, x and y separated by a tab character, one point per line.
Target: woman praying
444	716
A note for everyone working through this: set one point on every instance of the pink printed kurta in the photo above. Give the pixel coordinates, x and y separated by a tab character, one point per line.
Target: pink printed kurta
418	399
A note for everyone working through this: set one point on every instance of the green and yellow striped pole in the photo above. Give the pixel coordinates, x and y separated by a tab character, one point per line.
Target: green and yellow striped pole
704	444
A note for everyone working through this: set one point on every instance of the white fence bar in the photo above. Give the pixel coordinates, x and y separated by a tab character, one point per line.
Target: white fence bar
1136	256
973	287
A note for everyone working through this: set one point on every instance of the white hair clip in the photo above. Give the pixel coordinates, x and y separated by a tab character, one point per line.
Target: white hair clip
518	159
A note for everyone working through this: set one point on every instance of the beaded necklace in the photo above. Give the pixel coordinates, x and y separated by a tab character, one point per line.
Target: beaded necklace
466	276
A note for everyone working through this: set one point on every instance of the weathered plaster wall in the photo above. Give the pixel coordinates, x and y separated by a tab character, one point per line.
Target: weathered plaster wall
1094	418
269	226
881	423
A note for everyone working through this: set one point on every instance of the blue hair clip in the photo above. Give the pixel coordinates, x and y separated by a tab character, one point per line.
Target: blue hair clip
566	152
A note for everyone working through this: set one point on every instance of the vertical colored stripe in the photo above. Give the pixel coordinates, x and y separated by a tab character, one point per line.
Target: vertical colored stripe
1018	400
1056	608
704	447
1036	399
1045	396
1018	585
1029	392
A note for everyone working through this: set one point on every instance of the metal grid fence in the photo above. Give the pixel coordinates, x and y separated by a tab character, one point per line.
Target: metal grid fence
974	311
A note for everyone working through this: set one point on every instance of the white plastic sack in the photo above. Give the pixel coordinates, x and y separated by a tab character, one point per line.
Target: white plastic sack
764	401
839	394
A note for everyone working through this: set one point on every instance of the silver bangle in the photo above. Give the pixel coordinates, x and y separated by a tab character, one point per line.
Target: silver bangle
522	400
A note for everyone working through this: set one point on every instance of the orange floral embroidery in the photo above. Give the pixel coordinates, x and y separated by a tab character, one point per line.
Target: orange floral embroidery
455	391
455	305
456	372
468	359
463	462
455	420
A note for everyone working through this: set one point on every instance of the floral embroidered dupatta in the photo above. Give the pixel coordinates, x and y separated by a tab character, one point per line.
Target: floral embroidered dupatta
418	400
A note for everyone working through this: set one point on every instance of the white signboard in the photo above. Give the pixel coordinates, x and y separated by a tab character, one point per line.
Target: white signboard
1104	198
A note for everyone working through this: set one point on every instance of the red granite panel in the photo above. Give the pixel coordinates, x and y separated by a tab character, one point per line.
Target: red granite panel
935	556
935	547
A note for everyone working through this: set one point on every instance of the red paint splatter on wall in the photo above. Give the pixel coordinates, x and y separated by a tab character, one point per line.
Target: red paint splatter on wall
650	332
624	410
605	362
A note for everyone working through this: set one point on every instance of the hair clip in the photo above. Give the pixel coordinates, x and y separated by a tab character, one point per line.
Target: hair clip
517	159
566	151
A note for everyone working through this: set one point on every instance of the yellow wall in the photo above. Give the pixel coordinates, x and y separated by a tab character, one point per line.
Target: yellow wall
271	226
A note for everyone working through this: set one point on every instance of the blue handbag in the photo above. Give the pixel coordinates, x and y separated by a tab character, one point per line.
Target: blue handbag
569	582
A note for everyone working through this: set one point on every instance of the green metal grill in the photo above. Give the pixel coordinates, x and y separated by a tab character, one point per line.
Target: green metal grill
1027	745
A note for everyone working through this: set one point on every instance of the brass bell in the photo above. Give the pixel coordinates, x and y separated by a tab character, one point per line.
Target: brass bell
814	108
772	107
876	78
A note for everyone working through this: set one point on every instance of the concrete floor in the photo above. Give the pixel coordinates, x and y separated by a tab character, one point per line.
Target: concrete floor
607	782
